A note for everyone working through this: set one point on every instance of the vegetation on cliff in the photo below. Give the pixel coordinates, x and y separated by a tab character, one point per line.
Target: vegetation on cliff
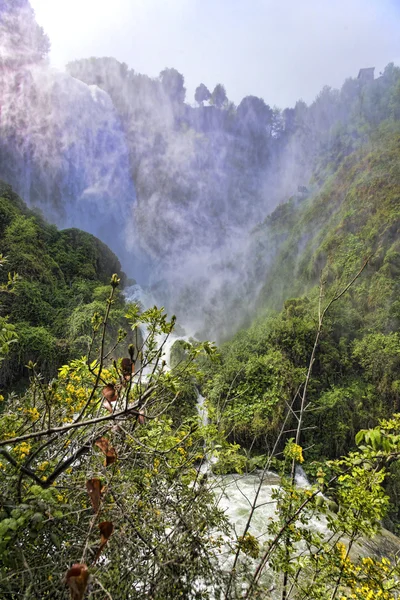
59	285
321	241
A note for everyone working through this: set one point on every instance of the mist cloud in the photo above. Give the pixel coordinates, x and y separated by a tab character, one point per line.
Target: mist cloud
177	190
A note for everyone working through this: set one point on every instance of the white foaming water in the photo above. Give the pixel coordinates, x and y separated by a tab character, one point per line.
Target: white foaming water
146	299
202	410
301	479
236	495
135	293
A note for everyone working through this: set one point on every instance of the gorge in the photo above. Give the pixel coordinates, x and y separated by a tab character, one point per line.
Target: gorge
274	232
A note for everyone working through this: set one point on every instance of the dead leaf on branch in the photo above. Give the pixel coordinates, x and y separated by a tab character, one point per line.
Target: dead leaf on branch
106	530
107	405
111	457
141	417
94	489
77	579
127	367
109	452
102	443
110	393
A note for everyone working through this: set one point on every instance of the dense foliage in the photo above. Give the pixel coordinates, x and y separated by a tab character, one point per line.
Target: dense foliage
324	237
102	494
59	285
98	470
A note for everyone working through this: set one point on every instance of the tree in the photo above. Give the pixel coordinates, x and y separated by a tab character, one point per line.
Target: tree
254	113
98	473
8	335
202	94
218	96
277	124
173	84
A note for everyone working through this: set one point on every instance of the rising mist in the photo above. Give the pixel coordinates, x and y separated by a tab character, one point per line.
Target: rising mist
178	191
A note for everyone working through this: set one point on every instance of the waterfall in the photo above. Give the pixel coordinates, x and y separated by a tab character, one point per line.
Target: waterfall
146	299
202	409
63	150
143	297
301	479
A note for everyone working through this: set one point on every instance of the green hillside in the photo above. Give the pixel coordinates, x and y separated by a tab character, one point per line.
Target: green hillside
60	282
327	237
354	214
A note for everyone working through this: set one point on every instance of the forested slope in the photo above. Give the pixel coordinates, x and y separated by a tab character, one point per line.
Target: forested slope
60	279
320	243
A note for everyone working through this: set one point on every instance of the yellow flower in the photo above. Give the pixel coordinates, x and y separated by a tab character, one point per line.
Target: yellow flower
294	451
22	449
32	413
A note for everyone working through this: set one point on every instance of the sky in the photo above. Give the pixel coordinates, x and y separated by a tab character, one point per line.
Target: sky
280	50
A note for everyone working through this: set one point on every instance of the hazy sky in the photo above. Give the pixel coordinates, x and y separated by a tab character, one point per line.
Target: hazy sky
281	50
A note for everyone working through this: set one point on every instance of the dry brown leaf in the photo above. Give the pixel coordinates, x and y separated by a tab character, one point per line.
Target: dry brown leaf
93	487
110	452
107	405
106	529
103	444
127	367
111	457
109	392
77	579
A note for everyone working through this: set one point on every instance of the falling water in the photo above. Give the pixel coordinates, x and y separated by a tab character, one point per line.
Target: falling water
202	410
146	299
